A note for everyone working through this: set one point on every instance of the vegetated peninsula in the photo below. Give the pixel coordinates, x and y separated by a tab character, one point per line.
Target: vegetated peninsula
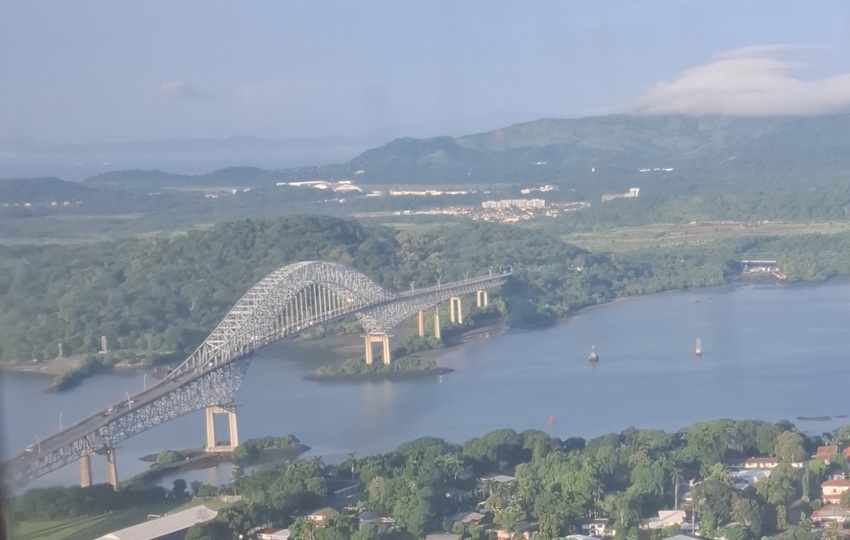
741	479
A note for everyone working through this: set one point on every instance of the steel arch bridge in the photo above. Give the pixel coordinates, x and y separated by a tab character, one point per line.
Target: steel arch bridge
285	302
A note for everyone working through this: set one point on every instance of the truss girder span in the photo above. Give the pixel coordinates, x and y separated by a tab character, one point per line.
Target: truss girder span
283	303
388	315
215	387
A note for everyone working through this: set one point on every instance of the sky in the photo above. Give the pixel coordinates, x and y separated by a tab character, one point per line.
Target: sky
99	71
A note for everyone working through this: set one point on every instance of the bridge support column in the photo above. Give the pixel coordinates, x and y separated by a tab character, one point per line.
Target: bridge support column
421	323
455	316
85	470
233	442
437	323
384	340
481	298
111	469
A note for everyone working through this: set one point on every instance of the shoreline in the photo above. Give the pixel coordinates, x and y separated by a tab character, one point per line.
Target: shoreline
51	369
197	459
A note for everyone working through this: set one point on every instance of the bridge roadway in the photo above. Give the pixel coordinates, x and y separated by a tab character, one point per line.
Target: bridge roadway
91	424
99	433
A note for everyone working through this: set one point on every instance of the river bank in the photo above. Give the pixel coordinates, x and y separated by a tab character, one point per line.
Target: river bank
758	341
196	459
48	368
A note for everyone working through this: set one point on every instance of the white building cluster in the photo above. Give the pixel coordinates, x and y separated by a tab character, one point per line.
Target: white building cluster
514	203
425	192
343	186
542	189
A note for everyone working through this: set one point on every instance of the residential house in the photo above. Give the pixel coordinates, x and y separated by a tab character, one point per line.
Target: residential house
166	526
490	481
598	527
831	513
747	477
682	537
320	517
665	519
523	529
496	478
825	453
373	517
273	534
443	536
474	518
832	490
761	463
344	490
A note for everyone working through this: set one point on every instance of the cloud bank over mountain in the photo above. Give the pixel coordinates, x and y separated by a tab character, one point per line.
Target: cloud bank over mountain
753	81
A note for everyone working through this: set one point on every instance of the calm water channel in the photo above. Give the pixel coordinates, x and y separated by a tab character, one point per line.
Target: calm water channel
769	352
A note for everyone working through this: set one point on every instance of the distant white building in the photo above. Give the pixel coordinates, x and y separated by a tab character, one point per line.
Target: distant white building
630	194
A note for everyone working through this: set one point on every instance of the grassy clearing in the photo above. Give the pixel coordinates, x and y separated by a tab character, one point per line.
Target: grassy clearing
87	527
661	235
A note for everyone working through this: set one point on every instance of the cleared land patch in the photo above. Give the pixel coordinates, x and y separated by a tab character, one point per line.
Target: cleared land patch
669	235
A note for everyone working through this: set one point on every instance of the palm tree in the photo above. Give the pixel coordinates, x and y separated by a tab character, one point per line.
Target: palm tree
488	486
353	462
318	462
676	476
453	465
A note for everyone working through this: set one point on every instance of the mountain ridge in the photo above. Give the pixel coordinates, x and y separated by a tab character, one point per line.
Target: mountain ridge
556	150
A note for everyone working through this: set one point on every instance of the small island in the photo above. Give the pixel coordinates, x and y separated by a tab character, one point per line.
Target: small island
357	368
402	365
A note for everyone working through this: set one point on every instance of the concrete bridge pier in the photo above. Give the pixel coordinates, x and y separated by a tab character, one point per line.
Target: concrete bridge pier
455	304
421	323
233	442
111	468
437	323
481	298
384	340
85	470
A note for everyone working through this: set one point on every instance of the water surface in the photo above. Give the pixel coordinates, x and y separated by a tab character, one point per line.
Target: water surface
769	352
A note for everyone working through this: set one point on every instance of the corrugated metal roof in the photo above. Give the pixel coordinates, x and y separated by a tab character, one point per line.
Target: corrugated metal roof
156	528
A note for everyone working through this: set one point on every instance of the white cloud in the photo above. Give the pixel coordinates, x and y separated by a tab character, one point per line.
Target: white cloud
754	81
179	90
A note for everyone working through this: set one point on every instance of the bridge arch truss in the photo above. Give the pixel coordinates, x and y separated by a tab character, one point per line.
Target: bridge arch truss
285	302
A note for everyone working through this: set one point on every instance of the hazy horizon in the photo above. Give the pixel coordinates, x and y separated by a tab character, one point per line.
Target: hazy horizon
360	75
100	72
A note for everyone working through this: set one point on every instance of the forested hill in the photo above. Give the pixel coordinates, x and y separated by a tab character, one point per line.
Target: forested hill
161	295
48	190
147	180
589	154
559	150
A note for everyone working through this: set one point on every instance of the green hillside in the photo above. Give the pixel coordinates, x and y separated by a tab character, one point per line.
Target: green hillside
705	150
713	152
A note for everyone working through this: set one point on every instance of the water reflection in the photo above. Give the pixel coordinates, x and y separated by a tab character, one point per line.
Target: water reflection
377	400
